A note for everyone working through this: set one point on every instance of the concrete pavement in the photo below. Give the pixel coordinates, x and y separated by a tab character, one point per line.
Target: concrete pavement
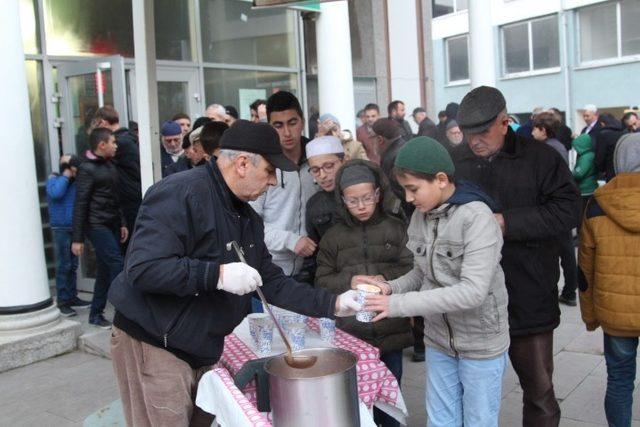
65	390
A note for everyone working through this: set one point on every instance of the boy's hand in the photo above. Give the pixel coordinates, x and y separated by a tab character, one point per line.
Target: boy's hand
378	304
378	281
77	248
305	247
124	234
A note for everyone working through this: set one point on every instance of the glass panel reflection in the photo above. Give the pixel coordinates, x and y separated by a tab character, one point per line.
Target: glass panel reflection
96	27
84	93
173	40
232	33
30	26
172	99
240	88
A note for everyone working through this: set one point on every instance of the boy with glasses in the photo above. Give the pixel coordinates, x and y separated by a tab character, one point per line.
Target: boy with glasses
325	155
368	240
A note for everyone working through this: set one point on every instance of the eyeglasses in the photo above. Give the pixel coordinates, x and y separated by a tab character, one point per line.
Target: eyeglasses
366	200
176	139
326	167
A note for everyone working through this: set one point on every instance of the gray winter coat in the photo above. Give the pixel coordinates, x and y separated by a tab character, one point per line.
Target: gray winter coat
456	283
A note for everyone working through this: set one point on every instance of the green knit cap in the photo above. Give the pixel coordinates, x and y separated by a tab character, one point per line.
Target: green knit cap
424	155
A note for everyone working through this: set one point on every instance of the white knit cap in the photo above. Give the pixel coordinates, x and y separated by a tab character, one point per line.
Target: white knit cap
324	145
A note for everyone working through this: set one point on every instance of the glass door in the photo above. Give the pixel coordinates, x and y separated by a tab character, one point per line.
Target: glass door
178	92
85	86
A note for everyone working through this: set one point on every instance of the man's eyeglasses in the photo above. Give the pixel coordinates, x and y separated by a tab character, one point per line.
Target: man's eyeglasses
326	167
176	139
366	200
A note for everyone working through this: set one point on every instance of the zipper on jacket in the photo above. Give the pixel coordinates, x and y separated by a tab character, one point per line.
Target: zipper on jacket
365	247
433	273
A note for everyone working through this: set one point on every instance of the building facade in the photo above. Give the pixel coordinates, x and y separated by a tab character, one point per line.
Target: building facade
553	53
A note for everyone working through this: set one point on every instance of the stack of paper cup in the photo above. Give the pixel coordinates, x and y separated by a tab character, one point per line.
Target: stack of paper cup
327	329
363	290
296	332
261	330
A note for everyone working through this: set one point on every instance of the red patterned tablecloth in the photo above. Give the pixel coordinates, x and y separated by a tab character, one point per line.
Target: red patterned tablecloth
376	384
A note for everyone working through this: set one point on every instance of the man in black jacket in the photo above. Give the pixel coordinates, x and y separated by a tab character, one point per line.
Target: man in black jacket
127	161
97	215
539	202
183	290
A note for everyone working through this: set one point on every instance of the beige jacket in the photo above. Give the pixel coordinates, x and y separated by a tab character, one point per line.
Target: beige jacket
456	283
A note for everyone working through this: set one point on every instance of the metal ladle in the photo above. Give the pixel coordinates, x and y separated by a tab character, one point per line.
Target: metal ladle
297	361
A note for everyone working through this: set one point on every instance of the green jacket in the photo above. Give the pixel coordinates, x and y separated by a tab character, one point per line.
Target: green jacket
377	246
585	172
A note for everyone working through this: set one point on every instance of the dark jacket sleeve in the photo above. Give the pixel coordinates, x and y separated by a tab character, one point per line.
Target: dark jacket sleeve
57	186
166	232
84	187
558	206
327	274
285	292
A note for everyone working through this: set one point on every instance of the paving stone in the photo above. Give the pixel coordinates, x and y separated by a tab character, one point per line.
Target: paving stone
586	402
587	342
565	334
511	410
570	369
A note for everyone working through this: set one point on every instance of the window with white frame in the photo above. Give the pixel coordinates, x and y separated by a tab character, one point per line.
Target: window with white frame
445	7
609	31
530	46
457	56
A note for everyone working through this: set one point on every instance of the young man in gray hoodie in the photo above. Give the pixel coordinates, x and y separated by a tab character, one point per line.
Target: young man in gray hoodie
283	206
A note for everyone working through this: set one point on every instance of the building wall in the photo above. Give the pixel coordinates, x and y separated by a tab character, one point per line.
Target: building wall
607	86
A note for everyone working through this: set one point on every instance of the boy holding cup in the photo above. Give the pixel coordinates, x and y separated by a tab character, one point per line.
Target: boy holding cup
367	240
456	283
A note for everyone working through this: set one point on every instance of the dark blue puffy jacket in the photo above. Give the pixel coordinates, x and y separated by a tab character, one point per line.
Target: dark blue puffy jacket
61	194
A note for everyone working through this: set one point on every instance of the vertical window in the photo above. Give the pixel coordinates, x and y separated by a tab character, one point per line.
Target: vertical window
445	7
457	52
234	33
609	30
530	46
173	35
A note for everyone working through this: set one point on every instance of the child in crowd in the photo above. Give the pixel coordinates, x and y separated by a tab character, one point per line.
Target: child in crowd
456	283
368	240
325	156
61	194
610	278
97	215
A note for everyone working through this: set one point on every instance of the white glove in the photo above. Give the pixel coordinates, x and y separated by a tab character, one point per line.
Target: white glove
348	304
238	278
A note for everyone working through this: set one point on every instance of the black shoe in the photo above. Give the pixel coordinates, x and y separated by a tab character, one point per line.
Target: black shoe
78	303
418	356
571	302
100	322
67	311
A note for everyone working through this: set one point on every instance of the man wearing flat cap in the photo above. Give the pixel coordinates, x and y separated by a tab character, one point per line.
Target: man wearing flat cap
183	290
538	202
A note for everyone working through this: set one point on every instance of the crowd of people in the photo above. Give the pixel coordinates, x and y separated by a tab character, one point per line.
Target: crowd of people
462	225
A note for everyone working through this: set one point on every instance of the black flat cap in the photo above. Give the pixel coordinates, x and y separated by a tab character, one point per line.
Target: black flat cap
259	138
479	108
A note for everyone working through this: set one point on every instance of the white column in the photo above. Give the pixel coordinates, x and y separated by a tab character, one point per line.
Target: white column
482	69
404	56
144	42
335	71
23	271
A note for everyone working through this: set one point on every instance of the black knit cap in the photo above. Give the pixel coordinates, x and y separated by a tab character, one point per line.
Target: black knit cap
479	109
259	138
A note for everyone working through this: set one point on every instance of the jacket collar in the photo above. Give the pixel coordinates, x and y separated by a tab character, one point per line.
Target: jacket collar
442	211
229	201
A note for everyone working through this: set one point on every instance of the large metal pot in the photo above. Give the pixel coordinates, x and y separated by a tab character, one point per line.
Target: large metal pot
324	395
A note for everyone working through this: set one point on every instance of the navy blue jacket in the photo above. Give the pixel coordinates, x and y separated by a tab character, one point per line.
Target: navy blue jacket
61	194
166	295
